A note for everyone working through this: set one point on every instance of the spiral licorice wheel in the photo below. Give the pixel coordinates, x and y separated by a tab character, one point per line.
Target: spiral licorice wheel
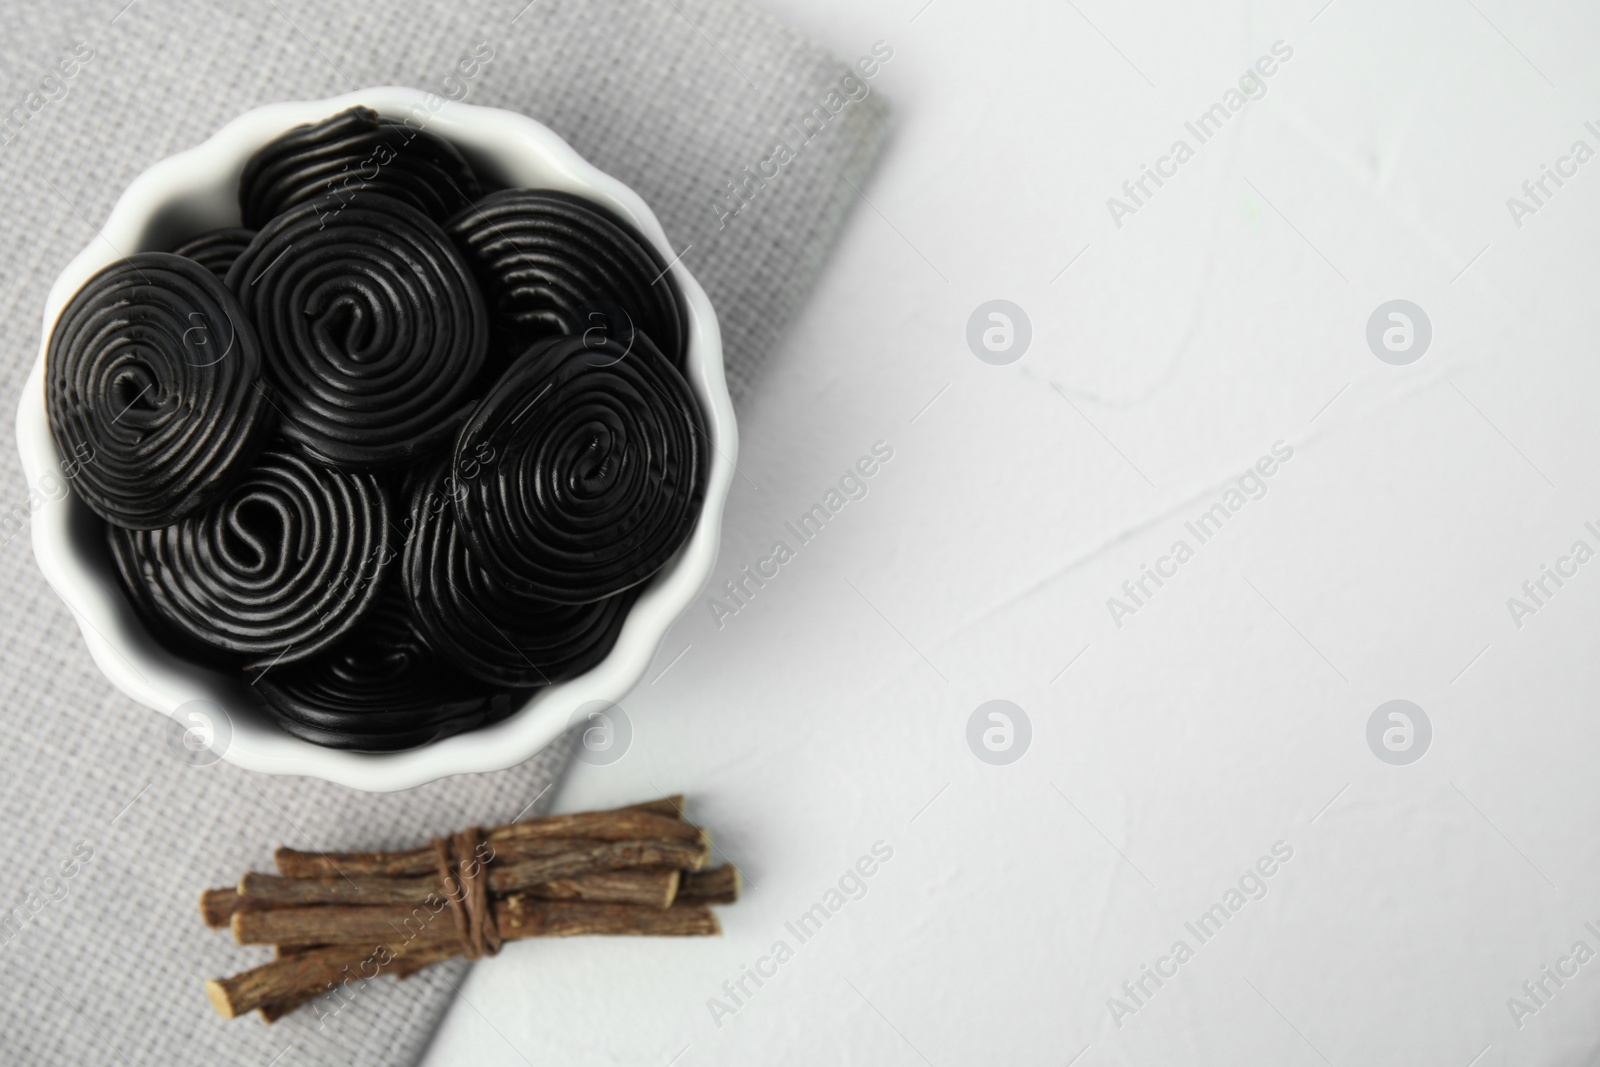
380	689
553	264
489	630
340	161
154	389
372	330
285	564
597	470
216	250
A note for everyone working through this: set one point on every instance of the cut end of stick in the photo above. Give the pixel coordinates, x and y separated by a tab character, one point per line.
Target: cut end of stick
217	993
217	906
704	841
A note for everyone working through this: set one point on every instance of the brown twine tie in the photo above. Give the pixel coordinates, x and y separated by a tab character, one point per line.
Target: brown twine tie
465	881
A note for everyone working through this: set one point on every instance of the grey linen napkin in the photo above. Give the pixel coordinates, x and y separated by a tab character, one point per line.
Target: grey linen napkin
109	837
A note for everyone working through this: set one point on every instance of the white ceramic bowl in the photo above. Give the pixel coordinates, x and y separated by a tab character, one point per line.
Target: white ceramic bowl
197	190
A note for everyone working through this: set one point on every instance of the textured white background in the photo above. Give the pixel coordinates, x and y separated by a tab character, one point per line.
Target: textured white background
1228	314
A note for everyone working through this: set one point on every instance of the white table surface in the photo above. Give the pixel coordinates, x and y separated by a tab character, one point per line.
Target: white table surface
1230	712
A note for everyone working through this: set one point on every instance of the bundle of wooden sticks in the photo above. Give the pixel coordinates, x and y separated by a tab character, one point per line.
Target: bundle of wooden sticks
337	917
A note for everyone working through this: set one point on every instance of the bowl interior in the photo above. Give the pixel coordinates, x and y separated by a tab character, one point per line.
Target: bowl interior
194	191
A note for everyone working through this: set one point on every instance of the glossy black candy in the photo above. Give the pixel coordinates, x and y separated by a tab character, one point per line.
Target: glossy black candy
338	162
153	386
489	630
552	264
215	250
372	330
380	689
285	564
597	475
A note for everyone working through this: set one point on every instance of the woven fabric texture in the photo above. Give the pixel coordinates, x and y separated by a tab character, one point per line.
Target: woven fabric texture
676	98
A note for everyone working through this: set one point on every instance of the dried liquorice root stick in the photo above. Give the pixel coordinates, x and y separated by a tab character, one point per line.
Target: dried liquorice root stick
285	977
598	871
300	976
720	885
646	885
430	924
536	837
608	856
416	959
657	886
577	869
218	905
521	916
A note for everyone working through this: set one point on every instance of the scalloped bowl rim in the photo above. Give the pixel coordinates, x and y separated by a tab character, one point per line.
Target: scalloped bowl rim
526	153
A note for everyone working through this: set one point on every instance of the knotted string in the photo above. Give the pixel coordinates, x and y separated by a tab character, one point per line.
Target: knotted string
465	880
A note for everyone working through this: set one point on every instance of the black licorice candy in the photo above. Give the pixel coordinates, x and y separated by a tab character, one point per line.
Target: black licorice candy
285	564
553	264
382	688
338	162
153	385
371	328
488	629
215	250
598	475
